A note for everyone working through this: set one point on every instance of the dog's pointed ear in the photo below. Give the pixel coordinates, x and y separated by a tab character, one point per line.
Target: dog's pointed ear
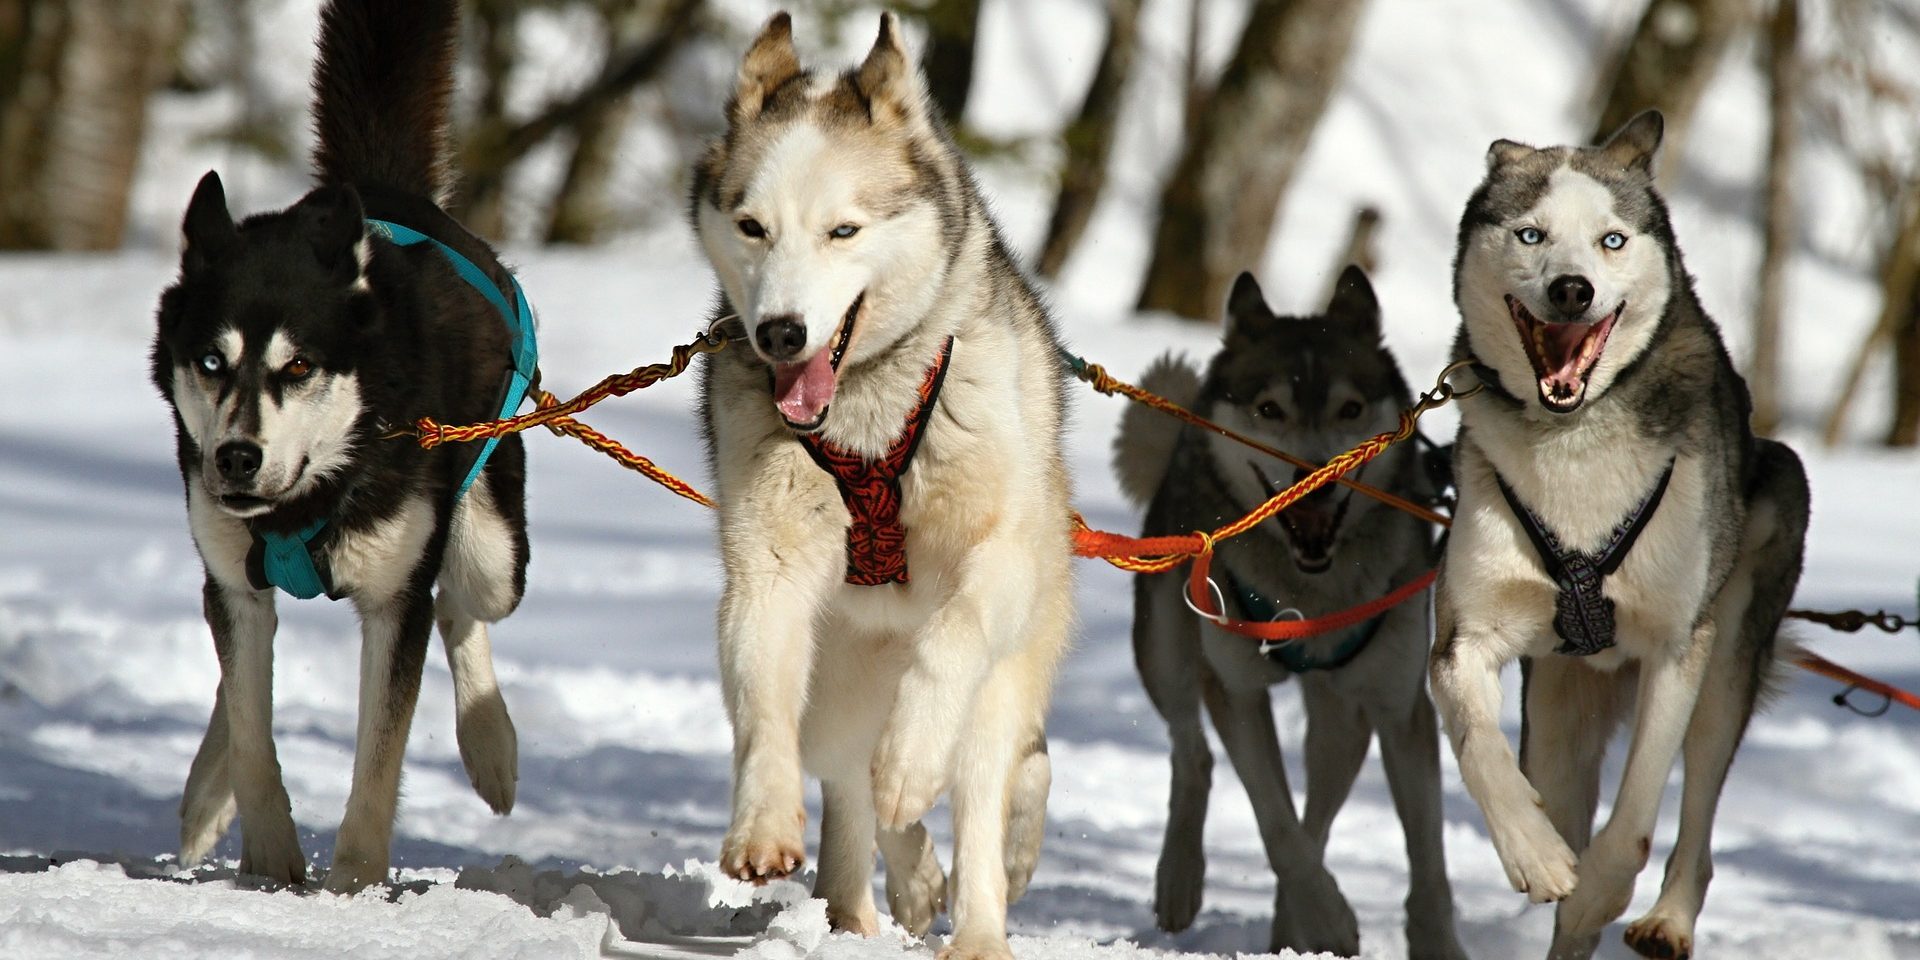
334	222
770	62
1502	152
1247	310
1354	301
1633	146
208	227
888	78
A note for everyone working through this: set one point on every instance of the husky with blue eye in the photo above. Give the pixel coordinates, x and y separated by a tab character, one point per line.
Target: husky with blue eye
291	346
1620	529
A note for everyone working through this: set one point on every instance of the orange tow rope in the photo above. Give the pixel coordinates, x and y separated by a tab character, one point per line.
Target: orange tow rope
1136	554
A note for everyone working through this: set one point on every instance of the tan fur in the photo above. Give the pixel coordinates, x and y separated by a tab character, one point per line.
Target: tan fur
892	695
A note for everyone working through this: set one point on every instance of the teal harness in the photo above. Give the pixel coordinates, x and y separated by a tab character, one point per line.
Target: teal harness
1294	656
297	562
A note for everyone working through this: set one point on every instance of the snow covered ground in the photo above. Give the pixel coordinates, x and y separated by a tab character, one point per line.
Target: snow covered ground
106	672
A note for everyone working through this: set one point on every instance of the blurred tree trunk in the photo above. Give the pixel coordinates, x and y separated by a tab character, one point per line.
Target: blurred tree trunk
1193	94
1666	64
1089	139
1899	294
75	76
497	142
1905	431
952	26
497	28
581	205
1783	96
1218	208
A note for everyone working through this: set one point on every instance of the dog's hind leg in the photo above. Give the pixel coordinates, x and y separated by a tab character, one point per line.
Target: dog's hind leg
489	748
1338	735
393	649
243	623
1166	650
1410	752
1568	713
845	879
208	807
1309	913
916	886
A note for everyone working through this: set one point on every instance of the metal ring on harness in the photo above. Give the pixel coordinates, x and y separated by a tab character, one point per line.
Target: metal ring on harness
1268	646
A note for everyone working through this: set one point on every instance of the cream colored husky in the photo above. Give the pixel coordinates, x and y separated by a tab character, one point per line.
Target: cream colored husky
893	498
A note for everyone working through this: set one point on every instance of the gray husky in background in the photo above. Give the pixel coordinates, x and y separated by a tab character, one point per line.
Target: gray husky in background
879	303
1312	386
1612	412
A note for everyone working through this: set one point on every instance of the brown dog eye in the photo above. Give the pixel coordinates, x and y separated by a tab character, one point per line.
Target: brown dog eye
752	228
297	368
1271	410
1350	410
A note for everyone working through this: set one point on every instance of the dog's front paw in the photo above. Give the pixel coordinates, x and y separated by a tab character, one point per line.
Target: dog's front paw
1177	885
1538	862
353	872
909	772
204	819
490	751
1606	874
765	846
966	947
1321	919
917	891
269	849
1662	936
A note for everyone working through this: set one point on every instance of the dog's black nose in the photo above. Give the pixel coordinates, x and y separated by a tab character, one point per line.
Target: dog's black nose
781	338
1571	295
237	461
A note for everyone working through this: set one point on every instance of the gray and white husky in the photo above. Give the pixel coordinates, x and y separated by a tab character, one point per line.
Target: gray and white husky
1313	386
893	500
1619	527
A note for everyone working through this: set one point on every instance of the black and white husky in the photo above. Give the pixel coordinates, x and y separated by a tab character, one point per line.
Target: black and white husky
1619	526
1313	386
291	343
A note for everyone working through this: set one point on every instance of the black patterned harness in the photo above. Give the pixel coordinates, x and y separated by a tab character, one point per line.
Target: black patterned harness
1583	615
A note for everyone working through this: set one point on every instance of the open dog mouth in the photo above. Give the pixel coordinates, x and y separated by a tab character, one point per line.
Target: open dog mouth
802	391
1311	523
1563	354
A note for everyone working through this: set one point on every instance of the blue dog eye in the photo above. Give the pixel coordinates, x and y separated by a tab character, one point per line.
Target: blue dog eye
1614	240
213	363
1529	235
843	231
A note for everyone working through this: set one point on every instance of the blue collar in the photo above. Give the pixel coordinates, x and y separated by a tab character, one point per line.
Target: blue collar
1294	656
297	562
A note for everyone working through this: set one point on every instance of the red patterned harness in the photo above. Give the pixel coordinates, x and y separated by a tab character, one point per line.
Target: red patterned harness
876	538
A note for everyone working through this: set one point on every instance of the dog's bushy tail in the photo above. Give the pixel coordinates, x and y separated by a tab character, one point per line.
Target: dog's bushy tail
1145	445
383	89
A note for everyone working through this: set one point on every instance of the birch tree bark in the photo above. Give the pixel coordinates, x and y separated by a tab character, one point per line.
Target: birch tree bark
1089	139
75	76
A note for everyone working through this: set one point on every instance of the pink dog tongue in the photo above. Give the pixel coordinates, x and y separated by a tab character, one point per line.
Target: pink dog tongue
803	390
1561	347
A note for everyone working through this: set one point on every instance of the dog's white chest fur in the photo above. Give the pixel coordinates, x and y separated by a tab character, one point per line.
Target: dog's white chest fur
1582	482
